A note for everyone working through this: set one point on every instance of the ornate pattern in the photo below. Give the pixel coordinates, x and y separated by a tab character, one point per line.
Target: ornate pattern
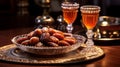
12	54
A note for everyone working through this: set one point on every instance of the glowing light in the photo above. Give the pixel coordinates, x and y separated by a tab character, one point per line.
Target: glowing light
104	32
104	23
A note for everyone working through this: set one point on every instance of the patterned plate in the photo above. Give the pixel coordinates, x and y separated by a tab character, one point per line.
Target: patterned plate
12	54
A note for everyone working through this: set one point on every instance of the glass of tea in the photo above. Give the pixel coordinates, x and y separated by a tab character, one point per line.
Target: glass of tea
90	14
69	10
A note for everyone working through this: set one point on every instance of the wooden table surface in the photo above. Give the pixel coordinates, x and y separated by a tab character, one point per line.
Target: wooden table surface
111	58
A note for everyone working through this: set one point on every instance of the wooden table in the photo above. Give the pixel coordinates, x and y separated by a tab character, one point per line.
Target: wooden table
111	58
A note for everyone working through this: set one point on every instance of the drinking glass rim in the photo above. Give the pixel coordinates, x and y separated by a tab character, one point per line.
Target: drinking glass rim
90	7
70	4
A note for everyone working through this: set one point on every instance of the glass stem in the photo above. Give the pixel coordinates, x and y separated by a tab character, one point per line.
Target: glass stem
69	28
90	37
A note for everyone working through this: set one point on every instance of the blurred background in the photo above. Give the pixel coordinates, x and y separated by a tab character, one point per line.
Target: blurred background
22	13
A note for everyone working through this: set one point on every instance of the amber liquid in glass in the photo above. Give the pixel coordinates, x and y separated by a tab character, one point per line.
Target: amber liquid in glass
90	20
70	15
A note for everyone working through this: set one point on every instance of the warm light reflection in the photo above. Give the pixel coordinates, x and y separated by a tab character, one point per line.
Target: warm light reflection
104	32
91	65
98	30
44	17
104	23
45	1
60	20
110	33
48	20
115	32
106	39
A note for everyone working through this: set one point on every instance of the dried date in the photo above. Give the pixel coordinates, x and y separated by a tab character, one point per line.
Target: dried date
19	40
52	31
53	44
31	34
70	40
44	37
63	43
67	34
53	39
39	44
34	40
59	36
38	32
45	29
26	42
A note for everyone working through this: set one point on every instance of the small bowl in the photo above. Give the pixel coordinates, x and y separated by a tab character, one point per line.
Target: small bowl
49	50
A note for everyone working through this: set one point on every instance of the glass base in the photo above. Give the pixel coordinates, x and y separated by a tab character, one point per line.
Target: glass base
89	44
88	51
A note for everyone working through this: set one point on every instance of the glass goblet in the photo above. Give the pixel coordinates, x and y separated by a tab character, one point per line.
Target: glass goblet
90	14
69	10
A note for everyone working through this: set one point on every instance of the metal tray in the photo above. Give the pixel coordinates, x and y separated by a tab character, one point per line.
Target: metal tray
11	53
107	29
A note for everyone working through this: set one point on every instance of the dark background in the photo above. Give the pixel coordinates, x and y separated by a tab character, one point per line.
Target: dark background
22	13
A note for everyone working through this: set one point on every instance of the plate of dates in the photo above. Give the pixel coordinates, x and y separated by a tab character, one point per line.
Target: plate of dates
48	41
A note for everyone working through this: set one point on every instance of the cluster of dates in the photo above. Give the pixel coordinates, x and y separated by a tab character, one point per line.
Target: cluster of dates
47	37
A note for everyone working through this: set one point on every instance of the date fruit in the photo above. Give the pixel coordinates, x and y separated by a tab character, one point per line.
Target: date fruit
45	29
19	40
59	36
38	32
26	42
63	43
44	37
34	40
53	44
53	39
39	44
70	40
